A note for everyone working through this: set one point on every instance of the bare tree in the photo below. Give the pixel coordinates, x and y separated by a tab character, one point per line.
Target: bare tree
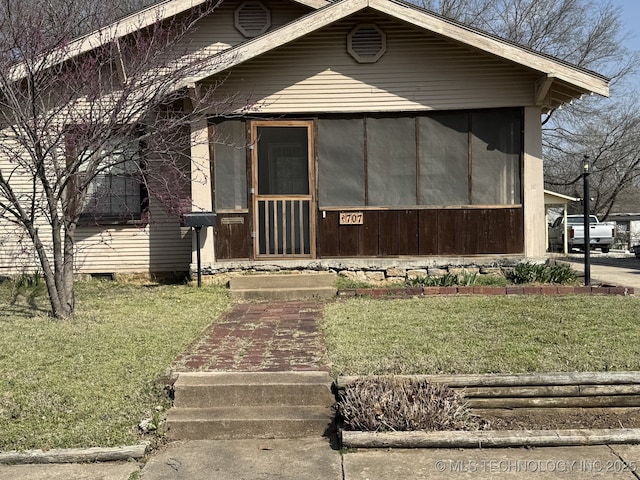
94	131
590	34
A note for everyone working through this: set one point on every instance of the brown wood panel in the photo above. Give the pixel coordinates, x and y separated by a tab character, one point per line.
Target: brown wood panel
496	231
388	233
328	236
369	245
232	240
476	224
428	232
471	231
349	236
515	242
408	232
451	232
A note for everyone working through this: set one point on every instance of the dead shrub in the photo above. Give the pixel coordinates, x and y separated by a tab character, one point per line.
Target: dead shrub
389	403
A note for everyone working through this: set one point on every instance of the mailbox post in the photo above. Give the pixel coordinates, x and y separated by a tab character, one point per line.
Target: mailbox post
197	220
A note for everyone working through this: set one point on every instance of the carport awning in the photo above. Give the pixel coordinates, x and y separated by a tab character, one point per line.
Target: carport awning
554	198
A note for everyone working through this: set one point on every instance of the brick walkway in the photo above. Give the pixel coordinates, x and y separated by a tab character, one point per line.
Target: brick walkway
254	337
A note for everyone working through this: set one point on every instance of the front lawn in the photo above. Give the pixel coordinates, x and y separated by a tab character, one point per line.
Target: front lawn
89	381
506	334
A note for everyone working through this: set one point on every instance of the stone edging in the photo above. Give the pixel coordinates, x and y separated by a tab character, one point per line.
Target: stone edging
462	290
489	439
75	455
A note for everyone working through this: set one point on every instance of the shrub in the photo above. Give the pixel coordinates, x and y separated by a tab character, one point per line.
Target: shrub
446	280
343	283
390	403
539	273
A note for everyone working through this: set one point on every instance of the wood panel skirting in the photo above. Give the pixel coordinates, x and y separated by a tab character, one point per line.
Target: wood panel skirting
386	233
423	232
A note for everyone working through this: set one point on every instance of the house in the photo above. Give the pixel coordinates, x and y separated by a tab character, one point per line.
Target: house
370	131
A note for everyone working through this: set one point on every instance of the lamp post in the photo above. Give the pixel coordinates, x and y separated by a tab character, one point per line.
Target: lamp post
587	238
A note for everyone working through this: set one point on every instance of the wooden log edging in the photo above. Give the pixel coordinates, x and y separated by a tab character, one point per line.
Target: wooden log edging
519	379
538	390
75	455
489	439
463	290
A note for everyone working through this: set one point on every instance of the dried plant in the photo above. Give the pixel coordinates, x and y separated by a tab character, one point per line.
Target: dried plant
391	403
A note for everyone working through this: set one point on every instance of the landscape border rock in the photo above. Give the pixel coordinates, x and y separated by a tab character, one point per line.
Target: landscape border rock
75	455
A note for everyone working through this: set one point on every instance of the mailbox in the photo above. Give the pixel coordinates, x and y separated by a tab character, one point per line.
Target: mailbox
199	219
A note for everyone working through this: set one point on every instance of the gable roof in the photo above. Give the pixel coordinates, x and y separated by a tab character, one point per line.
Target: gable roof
131	23
559	82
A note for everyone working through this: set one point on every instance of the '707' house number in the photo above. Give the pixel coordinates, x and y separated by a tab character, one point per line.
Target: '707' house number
351	218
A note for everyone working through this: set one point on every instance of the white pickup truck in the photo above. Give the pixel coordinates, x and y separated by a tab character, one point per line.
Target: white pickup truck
601	234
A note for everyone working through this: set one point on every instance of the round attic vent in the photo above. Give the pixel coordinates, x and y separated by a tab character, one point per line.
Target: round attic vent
366	43
252	18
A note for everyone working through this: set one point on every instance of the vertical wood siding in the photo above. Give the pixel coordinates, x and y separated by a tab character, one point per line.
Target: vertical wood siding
233	240
423	232
419	71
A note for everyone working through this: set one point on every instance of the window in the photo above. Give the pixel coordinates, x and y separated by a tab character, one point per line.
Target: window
230	166
116	193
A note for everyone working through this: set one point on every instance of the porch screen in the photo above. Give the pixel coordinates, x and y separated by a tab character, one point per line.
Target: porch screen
341	162
230	166
391	161
444	159
454	158
495	147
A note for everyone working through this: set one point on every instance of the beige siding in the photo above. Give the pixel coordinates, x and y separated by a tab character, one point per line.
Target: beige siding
161	246
418	72
217	32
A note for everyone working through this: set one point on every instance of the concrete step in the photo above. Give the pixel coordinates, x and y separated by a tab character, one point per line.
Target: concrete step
228	389
233	405
283	286
226	423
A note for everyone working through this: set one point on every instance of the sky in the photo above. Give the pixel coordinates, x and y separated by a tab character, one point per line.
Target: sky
630	15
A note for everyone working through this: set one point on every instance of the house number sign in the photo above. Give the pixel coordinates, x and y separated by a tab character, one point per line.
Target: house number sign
351	218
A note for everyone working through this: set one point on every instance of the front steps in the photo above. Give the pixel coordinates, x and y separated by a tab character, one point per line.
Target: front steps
283	286
230	405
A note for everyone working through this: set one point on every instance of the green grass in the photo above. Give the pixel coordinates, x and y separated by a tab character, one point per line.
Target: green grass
89	381
506	334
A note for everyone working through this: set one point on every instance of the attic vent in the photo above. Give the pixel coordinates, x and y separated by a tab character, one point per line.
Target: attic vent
252	18
366	43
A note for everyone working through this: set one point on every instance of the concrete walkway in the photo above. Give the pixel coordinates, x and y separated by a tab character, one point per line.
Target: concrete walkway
315	459
619	271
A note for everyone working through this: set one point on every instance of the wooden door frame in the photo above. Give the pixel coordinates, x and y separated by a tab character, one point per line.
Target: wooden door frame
253	141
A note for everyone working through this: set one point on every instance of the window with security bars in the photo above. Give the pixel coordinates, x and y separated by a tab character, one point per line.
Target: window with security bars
116	193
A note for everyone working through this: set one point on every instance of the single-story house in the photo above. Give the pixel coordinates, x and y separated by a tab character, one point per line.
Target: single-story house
368	130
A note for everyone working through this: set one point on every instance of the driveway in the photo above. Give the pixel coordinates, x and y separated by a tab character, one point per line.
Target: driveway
614	268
